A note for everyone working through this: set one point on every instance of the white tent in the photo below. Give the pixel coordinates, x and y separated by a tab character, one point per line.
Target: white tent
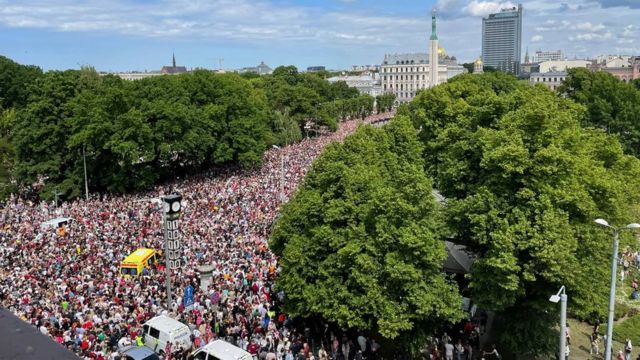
55	223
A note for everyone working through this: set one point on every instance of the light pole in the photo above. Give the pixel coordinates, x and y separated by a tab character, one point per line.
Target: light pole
562	297
172	207
612	292
86	184
281	174
56	193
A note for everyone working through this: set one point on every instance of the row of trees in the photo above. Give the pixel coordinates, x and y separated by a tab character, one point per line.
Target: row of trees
137	133
523	181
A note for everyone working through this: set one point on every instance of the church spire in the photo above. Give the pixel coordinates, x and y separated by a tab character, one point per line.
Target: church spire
526	56
174	59
434	36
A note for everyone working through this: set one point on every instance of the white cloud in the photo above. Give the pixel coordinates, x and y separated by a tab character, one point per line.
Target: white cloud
484	8
592	37
358	30
553	25
587	26
537	38
629	32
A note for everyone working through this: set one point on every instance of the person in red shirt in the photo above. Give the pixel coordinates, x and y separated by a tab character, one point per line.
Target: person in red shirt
252	348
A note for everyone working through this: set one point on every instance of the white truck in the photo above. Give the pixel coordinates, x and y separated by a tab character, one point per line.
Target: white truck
220	350
162	329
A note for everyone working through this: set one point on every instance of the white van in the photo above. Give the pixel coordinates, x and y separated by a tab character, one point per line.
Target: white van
220	350
162	329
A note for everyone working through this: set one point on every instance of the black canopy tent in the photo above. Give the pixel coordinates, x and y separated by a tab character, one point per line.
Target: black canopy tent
22	341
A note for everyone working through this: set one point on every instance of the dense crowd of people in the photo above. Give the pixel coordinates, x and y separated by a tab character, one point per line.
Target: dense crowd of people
68	284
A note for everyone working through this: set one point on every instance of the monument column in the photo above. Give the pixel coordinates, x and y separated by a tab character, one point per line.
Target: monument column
433	54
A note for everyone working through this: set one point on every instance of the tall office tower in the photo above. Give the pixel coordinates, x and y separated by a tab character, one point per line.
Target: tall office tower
502	40
433	53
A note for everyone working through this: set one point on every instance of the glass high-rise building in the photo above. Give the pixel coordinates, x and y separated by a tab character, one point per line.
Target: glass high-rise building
502	40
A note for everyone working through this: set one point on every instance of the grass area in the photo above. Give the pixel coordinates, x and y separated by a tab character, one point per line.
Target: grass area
629	328
627	314
580	343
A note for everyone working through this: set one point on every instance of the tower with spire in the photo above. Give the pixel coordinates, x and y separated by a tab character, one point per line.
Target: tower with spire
173	69
526	56
433	53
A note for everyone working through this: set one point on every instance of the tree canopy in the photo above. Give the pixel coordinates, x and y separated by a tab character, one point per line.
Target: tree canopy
611	104
135	133
360	241
523	182
15	80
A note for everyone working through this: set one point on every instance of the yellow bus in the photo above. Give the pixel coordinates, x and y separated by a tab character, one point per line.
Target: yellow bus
142	258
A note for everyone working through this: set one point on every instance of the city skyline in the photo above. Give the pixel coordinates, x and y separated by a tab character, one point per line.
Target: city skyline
125	35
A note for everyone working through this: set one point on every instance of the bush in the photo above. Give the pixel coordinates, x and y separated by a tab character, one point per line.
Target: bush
621	311
629	328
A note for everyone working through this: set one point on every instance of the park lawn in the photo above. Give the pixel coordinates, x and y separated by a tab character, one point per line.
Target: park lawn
580	343
628	324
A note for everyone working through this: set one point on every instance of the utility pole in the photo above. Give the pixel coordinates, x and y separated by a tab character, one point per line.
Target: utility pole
220	60
56	193
86	184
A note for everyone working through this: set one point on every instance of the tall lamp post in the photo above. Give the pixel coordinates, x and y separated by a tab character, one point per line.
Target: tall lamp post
561	296
614	267
172	207
86	184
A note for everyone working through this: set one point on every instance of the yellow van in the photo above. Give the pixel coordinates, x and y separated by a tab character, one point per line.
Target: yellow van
142	258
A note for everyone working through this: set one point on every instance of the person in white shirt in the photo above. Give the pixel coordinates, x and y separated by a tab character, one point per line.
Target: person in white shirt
448	351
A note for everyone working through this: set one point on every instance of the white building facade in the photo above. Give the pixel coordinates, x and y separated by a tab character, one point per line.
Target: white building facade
405	74
540	56
551	79
366	84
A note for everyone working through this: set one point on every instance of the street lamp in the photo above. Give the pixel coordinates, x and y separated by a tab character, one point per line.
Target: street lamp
281	174
561	296
84	161
614	266
172	206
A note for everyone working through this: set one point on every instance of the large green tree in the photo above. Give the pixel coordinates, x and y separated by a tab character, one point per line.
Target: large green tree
15	80
524	182
611	104
360	243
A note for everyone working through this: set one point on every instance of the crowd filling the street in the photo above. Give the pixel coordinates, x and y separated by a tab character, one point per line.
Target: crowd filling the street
67	281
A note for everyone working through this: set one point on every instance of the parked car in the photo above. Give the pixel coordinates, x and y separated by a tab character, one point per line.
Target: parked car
138	353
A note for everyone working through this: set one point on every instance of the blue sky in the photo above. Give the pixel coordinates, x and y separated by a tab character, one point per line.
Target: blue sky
119	35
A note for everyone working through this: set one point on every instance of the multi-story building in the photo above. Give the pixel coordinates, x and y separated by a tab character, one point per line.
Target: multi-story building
502	40
316	68
406	74
541	56
551	79
374	68
563	65
366	84
262	69
135	75
625	68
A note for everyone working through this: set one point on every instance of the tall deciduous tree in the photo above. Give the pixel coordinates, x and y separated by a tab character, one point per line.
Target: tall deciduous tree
361	241
611	104
524	182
